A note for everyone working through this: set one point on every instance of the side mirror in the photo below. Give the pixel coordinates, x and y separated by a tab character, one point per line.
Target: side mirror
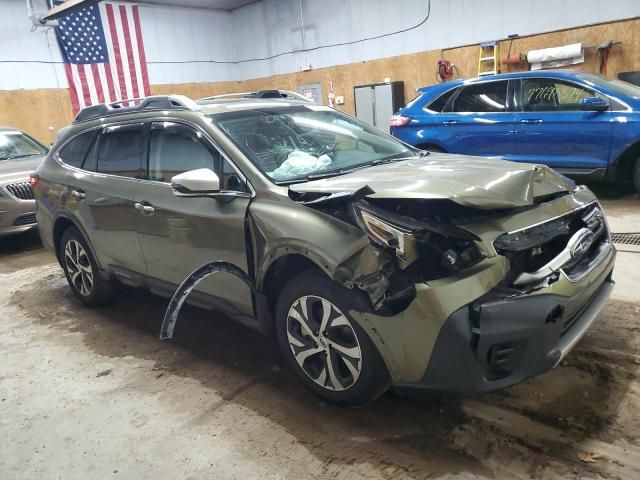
196	183
594	104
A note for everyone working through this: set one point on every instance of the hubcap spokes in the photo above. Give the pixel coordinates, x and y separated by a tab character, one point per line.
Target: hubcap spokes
324	343
79	267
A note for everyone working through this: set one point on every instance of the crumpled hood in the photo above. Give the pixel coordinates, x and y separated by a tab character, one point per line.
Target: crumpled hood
18	170
471	181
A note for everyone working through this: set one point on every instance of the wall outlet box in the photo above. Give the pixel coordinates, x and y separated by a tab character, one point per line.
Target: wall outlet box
340	100
387	80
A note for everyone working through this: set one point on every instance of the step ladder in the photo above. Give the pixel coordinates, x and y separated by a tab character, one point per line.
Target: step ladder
488	59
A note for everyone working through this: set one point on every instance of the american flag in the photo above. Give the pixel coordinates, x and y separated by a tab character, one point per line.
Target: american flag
103	54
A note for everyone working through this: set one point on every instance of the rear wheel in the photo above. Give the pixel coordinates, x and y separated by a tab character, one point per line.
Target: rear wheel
329	351
81	269
636	175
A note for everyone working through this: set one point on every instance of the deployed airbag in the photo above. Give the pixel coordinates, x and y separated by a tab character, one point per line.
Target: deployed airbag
300	163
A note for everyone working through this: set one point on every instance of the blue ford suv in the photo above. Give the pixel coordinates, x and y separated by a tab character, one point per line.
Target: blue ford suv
584	125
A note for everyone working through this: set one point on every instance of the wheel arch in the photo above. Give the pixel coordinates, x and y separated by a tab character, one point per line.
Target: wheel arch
289	263
428	145
624	163
60	225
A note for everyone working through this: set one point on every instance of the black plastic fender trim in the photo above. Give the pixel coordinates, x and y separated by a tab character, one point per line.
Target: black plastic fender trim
185	288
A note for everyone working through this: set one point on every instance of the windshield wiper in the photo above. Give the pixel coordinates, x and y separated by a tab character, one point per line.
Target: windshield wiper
392	158
331	173
21	156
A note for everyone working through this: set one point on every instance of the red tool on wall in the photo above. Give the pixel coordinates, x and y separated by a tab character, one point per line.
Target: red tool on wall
445	70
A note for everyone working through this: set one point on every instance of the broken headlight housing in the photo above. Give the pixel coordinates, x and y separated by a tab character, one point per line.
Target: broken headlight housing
385	234
443	247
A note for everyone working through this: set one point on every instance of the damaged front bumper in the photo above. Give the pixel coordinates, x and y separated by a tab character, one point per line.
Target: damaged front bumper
496	340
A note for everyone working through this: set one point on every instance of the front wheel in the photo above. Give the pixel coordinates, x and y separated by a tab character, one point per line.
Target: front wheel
329	351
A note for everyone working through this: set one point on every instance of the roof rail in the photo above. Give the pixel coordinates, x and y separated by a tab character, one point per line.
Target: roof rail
268	94
155	102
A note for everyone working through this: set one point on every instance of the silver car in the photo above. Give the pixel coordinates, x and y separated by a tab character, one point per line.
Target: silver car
20	155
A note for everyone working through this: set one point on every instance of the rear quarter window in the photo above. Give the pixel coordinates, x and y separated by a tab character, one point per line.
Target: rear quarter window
75	152
439	104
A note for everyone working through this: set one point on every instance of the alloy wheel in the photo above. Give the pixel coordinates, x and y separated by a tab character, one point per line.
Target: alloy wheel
79	267
323	342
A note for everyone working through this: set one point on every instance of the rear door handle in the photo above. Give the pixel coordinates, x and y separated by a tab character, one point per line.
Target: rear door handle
145	208
531	120
451	122
78	194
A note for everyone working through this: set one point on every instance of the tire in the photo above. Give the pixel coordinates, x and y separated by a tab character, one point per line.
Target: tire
326	360
636	176
81	269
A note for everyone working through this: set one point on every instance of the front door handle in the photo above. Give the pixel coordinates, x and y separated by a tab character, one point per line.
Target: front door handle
145	208
451	122
78	194
531	120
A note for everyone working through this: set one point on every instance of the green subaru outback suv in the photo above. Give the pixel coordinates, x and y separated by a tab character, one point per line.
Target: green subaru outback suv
372	263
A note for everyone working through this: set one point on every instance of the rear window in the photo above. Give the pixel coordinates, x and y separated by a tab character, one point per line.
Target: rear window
76	150
438	104
483	97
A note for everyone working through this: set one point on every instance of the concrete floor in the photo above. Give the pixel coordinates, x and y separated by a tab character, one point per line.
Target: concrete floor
93	394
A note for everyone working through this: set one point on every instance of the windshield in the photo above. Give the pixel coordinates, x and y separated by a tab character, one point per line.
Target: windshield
292	144
619	87
15	144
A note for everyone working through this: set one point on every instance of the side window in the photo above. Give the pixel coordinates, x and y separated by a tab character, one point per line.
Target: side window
230	180
483	97
177	148
438	104
121	150
76	150
549	95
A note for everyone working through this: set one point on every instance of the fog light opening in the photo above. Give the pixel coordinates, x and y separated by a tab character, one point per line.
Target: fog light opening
555	315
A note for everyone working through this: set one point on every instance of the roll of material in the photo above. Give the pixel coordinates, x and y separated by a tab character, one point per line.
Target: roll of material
554	54
512	59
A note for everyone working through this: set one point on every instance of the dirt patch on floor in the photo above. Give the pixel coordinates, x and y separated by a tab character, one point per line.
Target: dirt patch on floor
87	392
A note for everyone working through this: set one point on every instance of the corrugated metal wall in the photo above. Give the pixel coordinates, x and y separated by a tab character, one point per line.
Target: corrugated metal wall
270	27
273	26
171	34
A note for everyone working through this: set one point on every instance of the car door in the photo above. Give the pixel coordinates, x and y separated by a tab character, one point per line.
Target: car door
552	129
100	190
479	120
180	234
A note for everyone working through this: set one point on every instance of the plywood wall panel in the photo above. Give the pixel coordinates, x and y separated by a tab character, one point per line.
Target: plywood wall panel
36	110
40	113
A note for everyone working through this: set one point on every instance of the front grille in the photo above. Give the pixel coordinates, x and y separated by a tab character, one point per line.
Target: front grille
25	219
531	249
20	190
626	238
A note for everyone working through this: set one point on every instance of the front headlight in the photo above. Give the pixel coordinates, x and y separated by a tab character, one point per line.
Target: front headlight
386	234
433	244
